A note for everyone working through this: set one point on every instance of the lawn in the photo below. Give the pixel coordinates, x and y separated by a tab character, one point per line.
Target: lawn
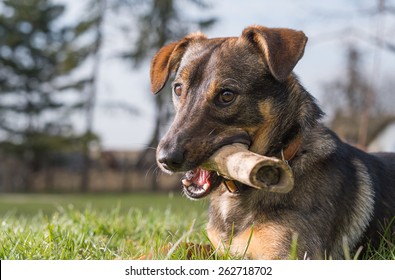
108	226
114	226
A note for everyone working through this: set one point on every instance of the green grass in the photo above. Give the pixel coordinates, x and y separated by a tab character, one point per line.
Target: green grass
97	226
112	226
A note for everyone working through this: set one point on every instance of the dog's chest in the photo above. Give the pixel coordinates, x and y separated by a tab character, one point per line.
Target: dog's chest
226	206
229	213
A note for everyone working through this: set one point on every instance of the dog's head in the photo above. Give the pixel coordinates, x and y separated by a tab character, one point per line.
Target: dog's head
225	90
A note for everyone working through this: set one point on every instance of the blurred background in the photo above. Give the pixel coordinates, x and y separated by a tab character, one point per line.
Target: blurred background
76	112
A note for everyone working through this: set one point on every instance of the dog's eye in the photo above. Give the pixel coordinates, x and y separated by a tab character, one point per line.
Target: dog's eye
226	98
177	89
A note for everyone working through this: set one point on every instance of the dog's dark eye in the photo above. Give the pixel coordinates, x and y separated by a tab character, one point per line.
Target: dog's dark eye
226	98
177	88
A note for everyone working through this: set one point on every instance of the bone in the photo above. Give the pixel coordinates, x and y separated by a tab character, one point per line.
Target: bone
236	162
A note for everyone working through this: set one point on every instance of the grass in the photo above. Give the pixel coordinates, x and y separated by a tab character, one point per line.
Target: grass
386	248
96	226
114	226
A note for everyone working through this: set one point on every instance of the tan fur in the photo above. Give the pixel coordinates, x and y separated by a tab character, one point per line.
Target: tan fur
215	238
262	134
266	242
167	59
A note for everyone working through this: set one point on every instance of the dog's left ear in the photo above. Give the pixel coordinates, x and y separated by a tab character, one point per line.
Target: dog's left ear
282	47
167	60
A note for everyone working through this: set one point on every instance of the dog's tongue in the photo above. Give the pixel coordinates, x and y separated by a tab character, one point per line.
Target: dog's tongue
198	177
202	177
197	181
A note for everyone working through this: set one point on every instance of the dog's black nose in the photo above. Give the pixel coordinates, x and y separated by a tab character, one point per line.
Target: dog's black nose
171	160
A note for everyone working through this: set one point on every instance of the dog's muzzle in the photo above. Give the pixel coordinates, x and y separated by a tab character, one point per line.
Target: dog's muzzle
197	182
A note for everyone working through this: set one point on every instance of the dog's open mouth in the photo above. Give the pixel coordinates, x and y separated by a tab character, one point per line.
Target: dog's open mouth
199	182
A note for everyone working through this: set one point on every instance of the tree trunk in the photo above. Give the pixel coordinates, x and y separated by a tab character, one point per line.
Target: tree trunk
91	100
147	158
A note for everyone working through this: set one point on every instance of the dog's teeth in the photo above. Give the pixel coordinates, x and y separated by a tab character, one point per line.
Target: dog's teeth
186	183
205	186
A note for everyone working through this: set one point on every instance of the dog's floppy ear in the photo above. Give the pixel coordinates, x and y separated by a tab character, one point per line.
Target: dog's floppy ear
282	47
167	60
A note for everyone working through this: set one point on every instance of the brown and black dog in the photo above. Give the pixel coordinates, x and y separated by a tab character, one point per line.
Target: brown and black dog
242	90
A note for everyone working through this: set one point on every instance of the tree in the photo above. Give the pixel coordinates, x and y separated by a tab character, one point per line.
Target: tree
92	32
35	55
359	117
159	22
366	113
93	25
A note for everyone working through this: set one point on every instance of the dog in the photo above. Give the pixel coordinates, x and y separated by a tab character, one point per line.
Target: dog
243	90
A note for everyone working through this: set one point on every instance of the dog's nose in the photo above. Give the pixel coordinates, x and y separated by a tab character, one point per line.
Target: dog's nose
171	160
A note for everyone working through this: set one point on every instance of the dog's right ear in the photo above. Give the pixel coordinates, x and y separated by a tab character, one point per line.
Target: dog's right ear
167	60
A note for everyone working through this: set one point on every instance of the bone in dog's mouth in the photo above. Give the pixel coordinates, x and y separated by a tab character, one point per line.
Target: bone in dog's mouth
199	182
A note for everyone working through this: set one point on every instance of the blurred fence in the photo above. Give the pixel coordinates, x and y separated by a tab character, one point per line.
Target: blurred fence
110	172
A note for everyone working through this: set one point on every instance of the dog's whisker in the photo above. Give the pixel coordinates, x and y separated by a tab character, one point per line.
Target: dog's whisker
147	173
211	132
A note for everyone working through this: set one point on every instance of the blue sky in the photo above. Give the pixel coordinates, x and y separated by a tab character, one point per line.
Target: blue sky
330	25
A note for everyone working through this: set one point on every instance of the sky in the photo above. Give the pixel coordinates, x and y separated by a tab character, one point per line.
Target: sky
330	26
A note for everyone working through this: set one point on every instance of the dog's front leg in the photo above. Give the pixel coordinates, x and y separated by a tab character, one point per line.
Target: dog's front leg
270	241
